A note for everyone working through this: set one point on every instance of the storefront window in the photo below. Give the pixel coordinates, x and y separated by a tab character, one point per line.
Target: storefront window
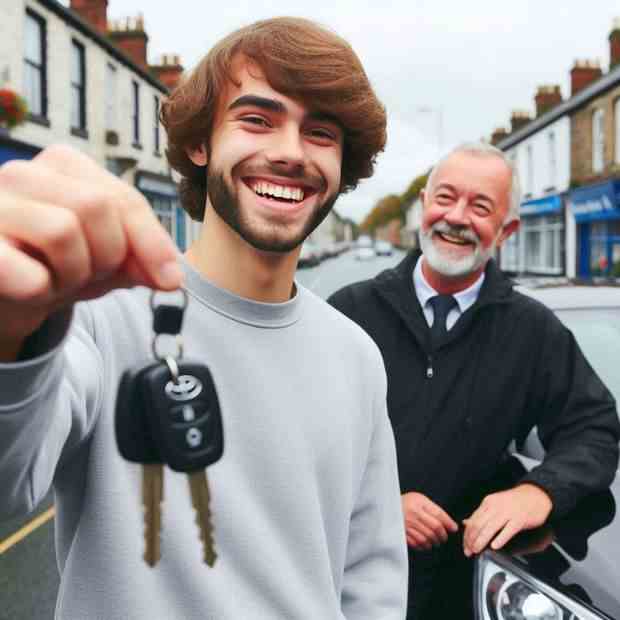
509	260
543	243
605	248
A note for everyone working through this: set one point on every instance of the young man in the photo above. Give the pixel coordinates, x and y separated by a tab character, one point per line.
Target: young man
473	365
277	120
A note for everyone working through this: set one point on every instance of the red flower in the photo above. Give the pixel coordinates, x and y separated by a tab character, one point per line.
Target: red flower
13	108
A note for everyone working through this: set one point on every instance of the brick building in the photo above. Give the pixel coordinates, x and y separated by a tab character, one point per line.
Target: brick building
88	83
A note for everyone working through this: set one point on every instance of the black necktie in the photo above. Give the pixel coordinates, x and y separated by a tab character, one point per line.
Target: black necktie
442	304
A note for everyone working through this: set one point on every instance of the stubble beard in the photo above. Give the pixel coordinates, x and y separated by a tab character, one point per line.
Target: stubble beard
225	202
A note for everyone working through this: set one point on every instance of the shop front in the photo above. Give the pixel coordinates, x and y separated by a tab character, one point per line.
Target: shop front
597	214
162	194
14	149
537	248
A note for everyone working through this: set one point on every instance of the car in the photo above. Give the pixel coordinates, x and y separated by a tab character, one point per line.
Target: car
568	569
383	248
364	241
310	255
364	253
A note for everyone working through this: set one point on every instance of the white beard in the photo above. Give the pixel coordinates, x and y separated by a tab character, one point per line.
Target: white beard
442	261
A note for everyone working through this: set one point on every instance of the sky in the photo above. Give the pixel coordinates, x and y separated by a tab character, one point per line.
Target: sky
447	71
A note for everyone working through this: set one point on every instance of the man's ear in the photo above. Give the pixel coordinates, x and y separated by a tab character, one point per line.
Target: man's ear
508	230
198	154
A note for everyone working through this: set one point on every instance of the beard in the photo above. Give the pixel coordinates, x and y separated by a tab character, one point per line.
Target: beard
442	261
270	237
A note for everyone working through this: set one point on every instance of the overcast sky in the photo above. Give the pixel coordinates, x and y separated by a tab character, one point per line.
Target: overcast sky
447	71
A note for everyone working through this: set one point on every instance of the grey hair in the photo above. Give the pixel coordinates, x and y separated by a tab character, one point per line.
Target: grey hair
483	148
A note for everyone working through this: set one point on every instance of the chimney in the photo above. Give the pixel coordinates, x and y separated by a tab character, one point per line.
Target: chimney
614	44
498	135
518	119
95	12
128	35
168	71
547	97
583	73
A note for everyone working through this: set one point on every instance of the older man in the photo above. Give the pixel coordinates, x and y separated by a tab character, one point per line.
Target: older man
472	365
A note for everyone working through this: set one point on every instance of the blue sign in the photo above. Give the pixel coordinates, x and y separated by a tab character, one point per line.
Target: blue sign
541	206
595	202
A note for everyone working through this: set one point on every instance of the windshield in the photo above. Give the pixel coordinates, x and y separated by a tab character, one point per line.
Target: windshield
598	333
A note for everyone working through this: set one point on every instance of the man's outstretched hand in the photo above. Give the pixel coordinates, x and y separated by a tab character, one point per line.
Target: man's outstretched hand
502	515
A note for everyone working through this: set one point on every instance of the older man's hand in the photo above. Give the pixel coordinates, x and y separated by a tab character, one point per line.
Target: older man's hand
426	524
502	515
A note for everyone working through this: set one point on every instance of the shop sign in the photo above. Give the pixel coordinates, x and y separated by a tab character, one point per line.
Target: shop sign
597	202
541	206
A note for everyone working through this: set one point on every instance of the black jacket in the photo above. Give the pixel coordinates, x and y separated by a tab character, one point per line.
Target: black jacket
507	365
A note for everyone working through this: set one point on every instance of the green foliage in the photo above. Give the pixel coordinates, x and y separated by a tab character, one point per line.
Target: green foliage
393	206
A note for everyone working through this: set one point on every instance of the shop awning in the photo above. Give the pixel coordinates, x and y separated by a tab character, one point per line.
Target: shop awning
541	206
595	202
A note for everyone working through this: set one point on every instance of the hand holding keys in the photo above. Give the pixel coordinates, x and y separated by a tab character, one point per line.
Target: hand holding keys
168	412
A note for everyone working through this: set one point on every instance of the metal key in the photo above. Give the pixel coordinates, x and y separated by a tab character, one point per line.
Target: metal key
136	445
152	497
184	415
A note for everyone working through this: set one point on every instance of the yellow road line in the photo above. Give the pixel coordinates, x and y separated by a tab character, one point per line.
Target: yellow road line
12	540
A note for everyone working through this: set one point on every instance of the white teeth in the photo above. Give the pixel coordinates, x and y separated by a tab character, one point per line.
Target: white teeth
278	191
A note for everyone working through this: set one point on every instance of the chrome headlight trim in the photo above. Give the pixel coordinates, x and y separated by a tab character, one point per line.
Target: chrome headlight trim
503	563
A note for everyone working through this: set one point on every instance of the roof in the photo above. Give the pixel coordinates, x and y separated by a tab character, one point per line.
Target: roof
593	90
87	30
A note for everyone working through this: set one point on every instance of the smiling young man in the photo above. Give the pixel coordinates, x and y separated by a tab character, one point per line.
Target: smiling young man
473	365
272	125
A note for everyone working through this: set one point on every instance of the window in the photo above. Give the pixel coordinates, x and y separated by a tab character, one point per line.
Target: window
78	87
617	128
598	140
544	243
156	124
35	65
529	187
111	95
136	113
553	165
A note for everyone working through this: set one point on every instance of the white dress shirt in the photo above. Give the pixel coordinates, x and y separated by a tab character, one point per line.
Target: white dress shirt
464	299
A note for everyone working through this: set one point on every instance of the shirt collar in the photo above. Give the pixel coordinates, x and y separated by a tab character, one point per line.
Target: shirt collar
465	299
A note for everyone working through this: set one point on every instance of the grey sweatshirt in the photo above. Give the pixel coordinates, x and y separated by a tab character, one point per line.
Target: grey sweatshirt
305	500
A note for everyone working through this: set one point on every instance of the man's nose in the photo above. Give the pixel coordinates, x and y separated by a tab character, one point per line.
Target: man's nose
457	215
287	149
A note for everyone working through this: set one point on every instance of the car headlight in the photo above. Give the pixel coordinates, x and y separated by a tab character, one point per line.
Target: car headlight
505	591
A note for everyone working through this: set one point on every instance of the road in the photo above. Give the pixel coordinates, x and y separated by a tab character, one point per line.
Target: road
28	573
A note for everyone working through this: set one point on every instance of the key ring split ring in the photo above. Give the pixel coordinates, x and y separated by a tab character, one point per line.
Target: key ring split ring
157	355
173	367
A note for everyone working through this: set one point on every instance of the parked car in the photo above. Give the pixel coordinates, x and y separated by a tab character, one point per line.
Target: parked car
383	248
364	253
310	255
569	569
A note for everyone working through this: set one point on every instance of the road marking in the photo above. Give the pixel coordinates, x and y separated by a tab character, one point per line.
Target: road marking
37	522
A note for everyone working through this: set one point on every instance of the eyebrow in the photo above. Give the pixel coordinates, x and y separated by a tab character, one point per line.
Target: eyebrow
453	189
273	105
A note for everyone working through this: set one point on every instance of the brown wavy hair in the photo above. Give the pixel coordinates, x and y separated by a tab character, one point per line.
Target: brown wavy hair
301	60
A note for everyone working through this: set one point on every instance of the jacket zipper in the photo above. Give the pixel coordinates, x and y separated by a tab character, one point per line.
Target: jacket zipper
429	367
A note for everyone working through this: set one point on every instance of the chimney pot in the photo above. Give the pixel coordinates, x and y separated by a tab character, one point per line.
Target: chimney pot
518	119
614	44
547	96
129	35
583	73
